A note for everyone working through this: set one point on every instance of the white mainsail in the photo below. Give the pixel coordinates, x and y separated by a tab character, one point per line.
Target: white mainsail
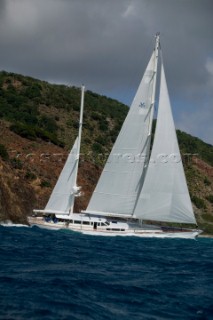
123	174
63	194
165	196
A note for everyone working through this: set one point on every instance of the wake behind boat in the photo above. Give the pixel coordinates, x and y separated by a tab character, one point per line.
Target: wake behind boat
134	185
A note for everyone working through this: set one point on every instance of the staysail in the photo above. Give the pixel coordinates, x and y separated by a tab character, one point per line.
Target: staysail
123	174
165	196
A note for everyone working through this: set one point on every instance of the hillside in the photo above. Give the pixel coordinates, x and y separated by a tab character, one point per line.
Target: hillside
38	125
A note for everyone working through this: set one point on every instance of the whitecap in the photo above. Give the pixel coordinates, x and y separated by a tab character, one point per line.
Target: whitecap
9	223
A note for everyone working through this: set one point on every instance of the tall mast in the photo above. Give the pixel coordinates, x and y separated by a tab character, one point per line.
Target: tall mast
157	43
80	122
75	187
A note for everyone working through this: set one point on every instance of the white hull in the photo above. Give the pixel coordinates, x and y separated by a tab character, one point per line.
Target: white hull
155	232
144	234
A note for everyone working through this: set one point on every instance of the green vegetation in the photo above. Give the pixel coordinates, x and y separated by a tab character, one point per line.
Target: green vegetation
208	217
16	163
200	204
45	184
30	175
207	227
194	146
207	181
33	132
97	148
102	140
210	198
23	130
3	153
47	123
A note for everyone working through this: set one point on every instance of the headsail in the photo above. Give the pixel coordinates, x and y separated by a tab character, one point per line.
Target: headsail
165	196
123	174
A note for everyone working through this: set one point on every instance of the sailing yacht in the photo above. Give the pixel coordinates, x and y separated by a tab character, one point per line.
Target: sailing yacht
136	184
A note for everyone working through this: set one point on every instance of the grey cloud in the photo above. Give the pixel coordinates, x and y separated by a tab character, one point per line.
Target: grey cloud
2	7
106	45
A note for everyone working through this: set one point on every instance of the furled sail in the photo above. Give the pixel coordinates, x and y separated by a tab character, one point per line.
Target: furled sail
122	177
165	196
62	197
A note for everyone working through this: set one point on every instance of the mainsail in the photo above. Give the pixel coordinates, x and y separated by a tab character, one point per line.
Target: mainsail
62	198
165	196
63	195
123	174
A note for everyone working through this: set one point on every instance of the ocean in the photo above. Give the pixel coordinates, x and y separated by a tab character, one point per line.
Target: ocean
62	274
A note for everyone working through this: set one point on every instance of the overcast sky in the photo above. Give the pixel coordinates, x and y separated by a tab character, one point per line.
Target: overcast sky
106	45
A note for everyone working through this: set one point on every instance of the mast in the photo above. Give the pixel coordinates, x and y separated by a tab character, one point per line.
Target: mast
156	55
157	43
75	188
80	123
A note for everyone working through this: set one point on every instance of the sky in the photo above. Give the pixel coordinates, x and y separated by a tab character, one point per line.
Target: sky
106	44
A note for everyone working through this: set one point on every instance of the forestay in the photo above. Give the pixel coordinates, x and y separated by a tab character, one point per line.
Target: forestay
123	174
165	196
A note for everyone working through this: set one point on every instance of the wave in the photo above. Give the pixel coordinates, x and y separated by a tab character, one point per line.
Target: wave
9	223
116	278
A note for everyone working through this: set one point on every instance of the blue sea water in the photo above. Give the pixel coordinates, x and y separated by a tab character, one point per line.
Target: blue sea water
48	274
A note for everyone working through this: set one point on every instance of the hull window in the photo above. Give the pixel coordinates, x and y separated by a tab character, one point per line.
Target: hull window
95	225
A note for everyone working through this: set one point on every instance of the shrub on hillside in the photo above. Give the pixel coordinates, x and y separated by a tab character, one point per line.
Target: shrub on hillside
23	130
16	163
33	91
102	140
210	198
208	217
30	175
200	204
48	123
97	148
33	132
207	181
96	116
103	125
3	153
45	184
